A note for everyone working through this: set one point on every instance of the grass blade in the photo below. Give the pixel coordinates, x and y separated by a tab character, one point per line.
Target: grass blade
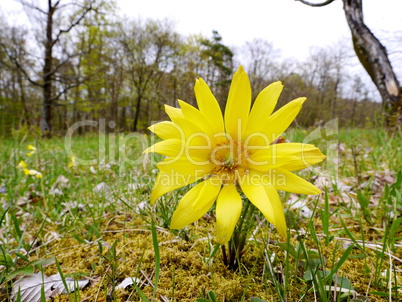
157	258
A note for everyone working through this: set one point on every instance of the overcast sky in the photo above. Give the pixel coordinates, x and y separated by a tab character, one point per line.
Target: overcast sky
291	26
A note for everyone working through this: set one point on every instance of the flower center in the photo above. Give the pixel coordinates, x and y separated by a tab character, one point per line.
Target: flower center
230	161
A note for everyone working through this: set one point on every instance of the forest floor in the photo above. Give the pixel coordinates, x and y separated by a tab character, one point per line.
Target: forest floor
91	223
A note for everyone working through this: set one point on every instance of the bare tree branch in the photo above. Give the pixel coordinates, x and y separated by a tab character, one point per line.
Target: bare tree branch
374	58
56	4
12	58
56	97
26	74
72	25
55	69
24	3
316	4
71	3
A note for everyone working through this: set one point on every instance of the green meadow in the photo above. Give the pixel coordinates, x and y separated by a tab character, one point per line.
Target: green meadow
89	220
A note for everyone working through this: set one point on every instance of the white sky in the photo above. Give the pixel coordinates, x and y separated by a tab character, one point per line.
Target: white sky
292	27
289	25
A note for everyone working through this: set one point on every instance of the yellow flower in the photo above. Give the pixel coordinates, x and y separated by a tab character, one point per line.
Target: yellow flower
73	163
33	150
22	165
33	173
231	154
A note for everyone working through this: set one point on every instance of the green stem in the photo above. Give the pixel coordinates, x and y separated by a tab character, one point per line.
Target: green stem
225	257
238	240
247	206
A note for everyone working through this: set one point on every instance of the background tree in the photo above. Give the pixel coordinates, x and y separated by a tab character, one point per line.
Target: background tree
15	92
124	71
259	58
373	56
148	50
55	54
219	65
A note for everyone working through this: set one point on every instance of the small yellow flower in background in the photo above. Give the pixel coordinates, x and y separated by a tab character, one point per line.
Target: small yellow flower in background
33	173
72	163
237	152
33	150
22	165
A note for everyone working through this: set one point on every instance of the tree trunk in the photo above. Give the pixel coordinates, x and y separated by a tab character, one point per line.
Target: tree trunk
47	76
373	56
26	114
137	111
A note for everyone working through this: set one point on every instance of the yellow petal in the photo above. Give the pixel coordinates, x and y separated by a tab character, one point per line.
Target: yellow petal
166	130
194	149
287	156
286	181
263	107
280	221
177	173
276	124
197	117
187	127
22	164
32	148
32	172
228	210
185	165
266	199
164	184
196	203
238	104
170	147
209	106
173	112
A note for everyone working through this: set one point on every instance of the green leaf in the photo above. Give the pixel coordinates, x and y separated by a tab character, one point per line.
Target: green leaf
80	240
28	270
342	259
3	214
309	274
140	293
395	227
288	247
157	257
6	260
342	282
350	235
212	296
381	294
255	299
397	185
364	202
41	262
